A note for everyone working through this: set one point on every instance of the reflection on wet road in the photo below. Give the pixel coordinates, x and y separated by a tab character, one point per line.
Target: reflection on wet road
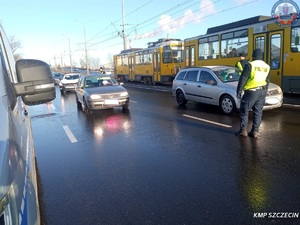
158	164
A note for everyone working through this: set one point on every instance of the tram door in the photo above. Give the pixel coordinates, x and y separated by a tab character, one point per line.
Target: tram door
131	67
156	66
271	45
275	56
190	56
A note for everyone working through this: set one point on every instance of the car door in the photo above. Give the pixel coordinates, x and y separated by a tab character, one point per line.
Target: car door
80	89
190	84
17	159
208	90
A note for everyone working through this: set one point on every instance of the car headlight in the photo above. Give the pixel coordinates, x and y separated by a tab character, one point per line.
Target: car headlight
95	97
124	94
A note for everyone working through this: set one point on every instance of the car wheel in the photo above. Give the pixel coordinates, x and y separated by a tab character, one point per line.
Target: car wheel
79	106
85	107
180	98
125	108
227	104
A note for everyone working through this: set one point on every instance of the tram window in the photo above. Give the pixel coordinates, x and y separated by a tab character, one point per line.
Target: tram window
260	43
124	60
208	47
119	61
295	39
234	43
192	60
275	51
139	59
167	57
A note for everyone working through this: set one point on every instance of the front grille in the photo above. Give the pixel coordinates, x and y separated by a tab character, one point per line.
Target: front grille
107	96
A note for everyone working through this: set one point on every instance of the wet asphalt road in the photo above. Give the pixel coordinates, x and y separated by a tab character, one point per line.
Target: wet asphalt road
158	164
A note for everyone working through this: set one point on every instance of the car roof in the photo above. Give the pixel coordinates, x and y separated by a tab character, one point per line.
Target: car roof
211	67
98	75
72	74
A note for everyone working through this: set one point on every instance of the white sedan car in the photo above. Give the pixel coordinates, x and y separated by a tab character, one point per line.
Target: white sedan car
216	85
69	82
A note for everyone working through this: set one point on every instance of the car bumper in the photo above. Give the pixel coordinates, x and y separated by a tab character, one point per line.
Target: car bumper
273	102
107	103
68	87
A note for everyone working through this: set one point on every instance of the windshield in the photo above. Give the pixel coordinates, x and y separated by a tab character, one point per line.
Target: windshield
97	81
227	74
72	77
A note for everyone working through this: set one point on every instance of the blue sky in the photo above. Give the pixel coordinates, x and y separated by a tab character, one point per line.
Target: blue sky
45	28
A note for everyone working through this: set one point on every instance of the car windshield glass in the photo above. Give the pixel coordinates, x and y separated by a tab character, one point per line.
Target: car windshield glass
227	74
71	77
99	81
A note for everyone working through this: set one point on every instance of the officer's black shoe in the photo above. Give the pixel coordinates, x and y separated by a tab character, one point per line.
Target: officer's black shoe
253	134
241	133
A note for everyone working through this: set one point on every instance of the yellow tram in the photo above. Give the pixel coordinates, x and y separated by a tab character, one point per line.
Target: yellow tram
222	45
158	63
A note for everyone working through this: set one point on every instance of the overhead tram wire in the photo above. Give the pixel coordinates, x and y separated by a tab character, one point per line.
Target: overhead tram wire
188	1
164	12
112	34
155	17
204	17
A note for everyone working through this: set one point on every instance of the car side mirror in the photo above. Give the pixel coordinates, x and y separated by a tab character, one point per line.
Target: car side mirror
35	82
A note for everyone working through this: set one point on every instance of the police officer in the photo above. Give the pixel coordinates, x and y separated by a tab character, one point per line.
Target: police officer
241	63
254	80
102	71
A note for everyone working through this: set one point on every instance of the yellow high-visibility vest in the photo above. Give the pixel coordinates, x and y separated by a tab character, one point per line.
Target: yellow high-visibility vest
258	75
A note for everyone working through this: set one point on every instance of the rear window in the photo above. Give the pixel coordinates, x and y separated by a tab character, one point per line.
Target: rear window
181	75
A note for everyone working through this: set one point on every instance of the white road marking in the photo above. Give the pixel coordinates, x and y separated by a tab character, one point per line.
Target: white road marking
70	134
53	107
132	101
207	121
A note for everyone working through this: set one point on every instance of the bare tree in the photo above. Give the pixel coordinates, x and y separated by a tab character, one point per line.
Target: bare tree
15	45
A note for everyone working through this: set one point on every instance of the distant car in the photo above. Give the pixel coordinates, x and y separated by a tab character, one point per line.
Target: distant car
96	92
57	77
69	82
216	85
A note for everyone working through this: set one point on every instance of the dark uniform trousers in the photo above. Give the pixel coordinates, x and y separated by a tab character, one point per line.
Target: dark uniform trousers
253	99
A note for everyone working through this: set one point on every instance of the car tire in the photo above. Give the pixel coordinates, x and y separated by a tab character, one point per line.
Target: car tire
85	107
79	106
125	108
180	98
227	104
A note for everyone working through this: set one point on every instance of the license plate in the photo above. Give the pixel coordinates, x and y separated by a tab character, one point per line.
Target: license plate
111	102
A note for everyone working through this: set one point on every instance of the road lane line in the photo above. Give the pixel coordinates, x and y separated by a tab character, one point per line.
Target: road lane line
207	121
53	107
70	134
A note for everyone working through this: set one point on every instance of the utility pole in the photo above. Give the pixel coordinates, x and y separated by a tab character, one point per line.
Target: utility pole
70	55
123	31
85	49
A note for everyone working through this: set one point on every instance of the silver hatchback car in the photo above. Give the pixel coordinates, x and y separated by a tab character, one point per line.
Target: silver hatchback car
216	85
